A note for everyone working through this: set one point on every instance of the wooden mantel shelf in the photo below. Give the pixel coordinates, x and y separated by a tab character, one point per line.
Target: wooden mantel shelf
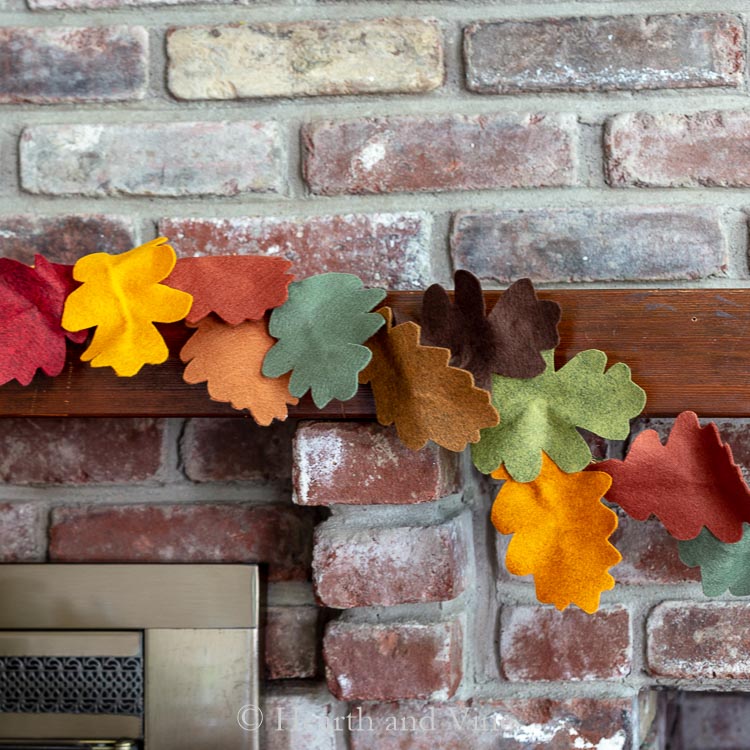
688	348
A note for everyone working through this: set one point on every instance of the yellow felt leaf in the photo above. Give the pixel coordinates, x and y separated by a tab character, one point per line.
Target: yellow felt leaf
121	296
230	359
560	530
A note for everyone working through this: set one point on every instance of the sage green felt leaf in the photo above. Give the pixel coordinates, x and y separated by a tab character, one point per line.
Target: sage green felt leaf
724	566
320	331
542	414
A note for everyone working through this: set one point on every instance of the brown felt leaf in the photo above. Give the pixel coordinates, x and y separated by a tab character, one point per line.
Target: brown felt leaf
509	341
416	389
230	359
235	287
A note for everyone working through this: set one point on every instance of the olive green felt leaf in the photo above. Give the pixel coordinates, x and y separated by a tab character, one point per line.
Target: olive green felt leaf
724	566
542	414
321	330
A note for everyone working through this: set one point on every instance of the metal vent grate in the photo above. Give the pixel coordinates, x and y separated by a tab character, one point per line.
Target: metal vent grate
71	685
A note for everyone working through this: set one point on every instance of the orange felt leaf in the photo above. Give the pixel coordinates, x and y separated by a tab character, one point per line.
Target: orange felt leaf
416	388
560	533
235	287
230	359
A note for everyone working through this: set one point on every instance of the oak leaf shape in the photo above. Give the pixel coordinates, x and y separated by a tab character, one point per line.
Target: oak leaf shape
415	388
321	330
542	414
121	296
234	287
508	341
230	359
31	307
689	483
560	533
724	567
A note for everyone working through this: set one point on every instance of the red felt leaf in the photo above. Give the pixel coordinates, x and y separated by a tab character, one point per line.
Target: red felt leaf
31	307
234	287
689	483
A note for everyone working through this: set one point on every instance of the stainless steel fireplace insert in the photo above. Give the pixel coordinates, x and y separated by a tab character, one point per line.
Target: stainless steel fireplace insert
161	657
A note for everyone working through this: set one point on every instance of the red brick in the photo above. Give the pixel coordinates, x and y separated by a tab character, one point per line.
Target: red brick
291	642
277	535
224	450
539	643
649	554
80	451
705	149
64	239
604	54
466	152
386	249
301	718
23	532
590	244
529	724
383	567
153	159
365	464
55	65
391	662
694	641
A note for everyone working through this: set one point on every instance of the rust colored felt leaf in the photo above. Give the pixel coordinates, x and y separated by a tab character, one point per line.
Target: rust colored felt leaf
31	307
560	533
509	341
230	359
234	287
416	389
689	483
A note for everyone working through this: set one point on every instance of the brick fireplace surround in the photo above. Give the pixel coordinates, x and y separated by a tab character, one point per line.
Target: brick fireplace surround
416	621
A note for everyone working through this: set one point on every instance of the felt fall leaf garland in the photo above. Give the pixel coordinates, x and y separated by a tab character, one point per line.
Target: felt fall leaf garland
458	375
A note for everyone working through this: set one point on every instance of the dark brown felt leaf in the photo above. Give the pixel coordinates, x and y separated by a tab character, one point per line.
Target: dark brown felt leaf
415	388
234	287
509	341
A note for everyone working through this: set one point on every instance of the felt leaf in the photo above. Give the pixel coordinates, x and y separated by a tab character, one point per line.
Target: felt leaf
31	307
724	567
560	534
509	341
689	483
234	287
121	296
415	387
542	414
230	359
321	330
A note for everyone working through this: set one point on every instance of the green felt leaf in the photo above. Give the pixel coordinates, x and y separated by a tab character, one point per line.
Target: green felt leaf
320	331
542	413
724	566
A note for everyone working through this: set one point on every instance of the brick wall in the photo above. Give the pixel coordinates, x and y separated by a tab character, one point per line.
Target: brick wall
589	143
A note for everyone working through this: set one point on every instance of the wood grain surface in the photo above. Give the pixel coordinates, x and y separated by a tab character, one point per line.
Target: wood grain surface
688	348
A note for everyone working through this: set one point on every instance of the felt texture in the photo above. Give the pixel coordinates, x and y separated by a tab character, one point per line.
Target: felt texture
724	567
321	330
560	534
509	341
229	359
121	296
31	307
234	287
689	483
415	388
542	414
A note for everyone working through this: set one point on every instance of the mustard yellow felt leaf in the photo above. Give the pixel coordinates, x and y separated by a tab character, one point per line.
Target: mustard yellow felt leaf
560	530
121	296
